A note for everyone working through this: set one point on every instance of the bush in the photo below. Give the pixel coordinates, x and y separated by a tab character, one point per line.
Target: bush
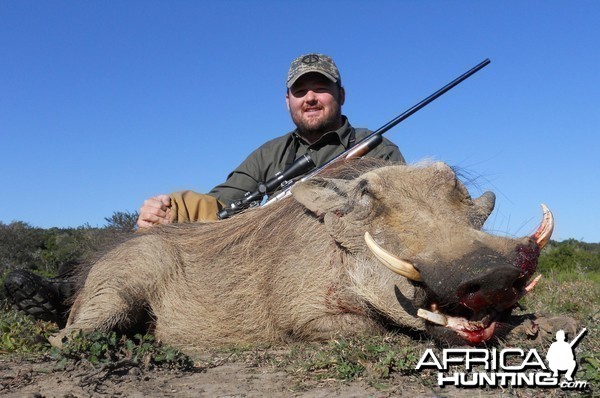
570	256
109	348
20	245
123	221
52	251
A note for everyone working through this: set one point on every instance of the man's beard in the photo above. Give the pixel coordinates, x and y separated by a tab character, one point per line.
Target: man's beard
317	127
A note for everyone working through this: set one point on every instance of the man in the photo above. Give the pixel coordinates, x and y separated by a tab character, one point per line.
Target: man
314	97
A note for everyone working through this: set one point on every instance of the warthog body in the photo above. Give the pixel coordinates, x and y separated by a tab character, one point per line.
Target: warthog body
300	269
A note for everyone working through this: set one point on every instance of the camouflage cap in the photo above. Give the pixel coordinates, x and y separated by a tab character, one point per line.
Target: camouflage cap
319	63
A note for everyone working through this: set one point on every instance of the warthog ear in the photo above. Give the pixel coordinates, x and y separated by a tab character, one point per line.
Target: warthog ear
484	205
322	195
343	205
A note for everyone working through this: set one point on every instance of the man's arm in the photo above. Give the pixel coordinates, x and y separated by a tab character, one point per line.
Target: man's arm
185	206
189	206
258	167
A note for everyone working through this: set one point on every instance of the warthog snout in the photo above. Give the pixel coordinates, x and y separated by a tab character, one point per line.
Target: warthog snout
500	288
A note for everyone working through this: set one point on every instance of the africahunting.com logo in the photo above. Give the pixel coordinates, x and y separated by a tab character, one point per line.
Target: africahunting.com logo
509	367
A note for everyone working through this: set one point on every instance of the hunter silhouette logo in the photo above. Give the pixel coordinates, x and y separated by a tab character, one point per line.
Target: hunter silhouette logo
508	367
561	356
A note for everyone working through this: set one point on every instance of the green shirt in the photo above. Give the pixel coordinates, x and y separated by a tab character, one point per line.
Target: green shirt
271	158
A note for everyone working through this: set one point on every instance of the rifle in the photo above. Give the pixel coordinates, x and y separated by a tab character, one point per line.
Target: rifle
304	163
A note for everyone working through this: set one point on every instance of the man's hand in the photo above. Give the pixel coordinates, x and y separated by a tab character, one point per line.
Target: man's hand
156	210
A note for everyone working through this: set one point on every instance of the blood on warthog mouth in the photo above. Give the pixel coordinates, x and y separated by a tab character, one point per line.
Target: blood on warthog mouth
477	331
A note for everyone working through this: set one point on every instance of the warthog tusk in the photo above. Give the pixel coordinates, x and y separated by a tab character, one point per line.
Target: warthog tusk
458	324
433	317
534	282
542	235
401	267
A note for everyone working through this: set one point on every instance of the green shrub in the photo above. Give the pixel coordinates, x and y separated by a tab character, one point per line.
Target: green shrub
375	357
20	245
570	256
20	334
123	221
102	349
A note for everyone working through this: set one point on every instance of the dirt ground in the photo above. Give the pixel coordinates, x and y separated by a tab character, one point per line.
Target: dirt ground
228	380
19	378
255	372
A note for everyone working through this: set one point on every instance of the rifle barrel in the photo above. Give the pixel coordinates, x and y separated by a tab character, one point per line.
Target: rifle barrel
361	149
433	97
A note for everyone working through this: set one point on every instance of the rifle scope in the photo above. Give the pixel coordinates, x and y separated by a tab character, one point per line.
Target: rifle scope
300	166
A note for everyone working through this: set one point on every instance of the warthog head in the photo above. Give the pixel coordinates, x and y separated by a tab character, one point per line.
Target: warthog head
421	223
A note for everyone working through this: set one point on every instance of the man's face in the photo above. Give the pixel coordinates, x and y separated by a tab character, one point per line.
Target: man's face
315	104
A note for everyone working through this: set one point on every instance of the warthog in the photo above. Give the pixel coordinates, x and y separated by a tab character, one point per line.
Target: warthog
391	245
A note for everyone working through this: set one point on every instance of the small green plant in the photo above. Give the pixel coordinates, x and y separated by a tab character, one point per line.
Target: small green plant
373	357
590	367
20	334
102	349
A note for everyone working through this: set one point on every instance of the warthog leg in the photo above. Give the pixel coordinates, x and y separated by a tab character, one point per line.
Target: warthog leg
120	288
105	311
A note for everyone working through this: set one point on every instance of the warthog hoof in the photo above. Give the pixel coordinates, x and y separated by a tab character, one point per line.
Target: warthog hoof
59	339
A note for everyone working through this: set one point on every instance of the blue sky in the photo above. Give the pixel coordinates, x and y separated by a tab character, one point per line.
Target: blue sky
103	104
